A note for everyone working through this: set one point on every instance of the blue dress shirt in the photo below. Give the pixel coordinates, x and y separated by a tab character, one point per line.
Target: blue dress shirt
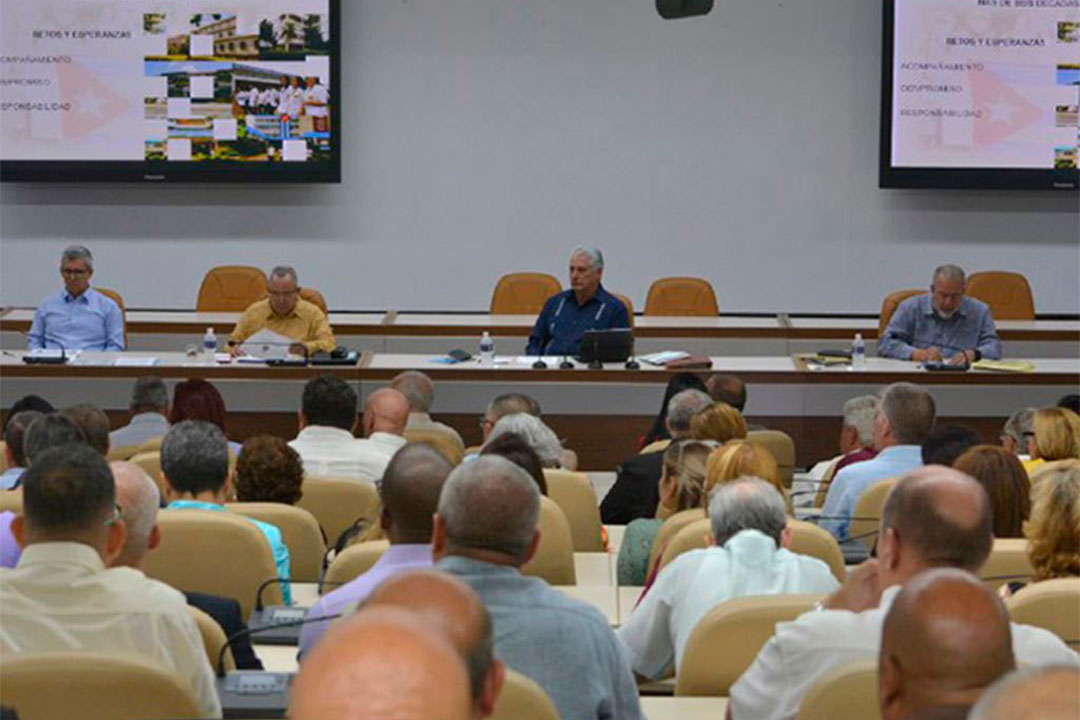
10	478
850	483
91	321
915	325
562	322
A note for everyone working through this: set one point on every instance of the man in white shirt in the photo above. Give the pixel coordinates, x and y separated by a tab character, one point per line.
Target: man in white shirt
386	412
149	414
316	103
419	390
934	517
60	596
749	557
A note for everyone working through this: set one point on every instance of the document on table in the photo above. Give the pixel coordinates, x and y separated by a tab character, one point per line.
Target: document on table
138	361
267	344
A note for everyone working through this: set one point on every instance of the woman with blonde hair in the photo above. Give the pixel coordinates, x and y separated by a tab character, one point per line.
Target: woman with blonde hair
1053	532
719	422
1056	437
740	458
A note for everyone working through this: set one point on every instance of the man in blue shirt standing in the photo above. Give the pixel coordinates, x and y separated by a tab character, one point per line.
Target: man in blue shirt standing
78	317
585	306
943	325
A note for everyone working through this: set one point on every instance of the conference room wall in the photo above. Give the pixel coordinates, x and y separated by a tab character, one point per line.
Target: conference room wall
486	136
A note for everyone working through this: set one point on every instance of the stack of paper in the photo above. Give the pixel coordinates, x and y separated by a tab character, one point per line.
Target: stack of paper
1008	366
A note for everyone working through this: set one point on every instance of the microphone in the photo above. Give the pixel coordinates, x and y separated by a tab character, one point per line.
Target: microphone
540	364
219	667
595	364
45	358
566	364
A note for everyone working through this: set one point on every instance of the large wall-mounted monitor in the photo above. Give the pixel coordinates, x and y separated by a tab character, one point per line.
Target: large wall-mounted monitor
980	94
170	90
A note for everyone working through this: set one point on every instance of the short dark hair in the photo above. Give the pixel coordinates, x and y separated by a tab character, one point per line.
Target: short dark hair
410	490
1070	402
94	424
328	400
195	457
517	450
68	488
724	387
15	434
944	444
149	393
268	470
49	431
29	402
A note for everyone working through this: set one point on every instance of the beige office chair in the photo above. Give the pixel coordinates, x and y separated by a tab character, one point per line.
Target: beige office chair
809	539
441	441
695	536
523	293
217	553
124	452
866	520
629	307
300	531
1007	293
337	503
889	305
151	445
554	559
11	501
727	639
1053	605
93	686
116	298
522	699
667	533
353	562
1008	562
213	638
850	692
681	296
823	486
782	447
230	288
573	493
150	462
314	297
3	456
655	446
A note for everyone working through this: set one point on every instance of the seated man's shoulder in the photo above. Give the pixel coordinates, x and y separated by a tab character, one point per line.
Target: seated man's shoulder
147	592
828	631
1038	646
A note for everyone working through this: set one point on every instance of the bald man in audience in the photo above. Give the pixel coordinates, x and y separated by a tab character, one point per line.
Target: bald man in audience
382	664
945	639
457	609
934	517
1049	693
386	412
419	390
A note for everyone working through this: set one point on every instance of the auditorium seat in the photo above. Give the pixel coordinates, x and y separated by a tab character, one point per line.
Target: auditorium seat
337	503
150	462
889	305
125	452
522	699
93	686
554	558
115	297
866	519
314	297
850	692
352	562
300	531
11	501
217	553
629	307
577	499
213	638
681	296
727	639
151	445
1007	293
523	293
823	486
781	447
230	288
667	533
440	441
1008	562
1053	605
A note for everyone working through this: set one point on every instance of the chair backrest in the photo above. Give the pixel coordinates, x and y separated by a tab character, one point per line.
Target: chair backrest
3	456
667	533
523	293
809	539
352	562
116	298
696	535
11	501
782	448
300	531
889	305
218	553
823	486
151	445
230	288
1007	293
522	699
629	307
438	440
213	637
337	503
314	297
727	639
554	559
150	462
866	520
124	452
1053	605
1008	562
573	493
93	686
655	446
681	296
850	692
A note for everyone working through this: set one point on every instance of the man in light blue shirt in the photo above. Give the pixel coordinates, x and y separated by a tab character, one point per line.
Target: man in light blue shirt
904	419
149	414
943	325
485	530
195	465
78	317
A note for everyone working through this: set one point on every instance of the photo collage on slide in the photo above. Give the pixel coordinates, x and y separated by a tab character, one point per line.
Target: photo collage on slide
1068	116
236	86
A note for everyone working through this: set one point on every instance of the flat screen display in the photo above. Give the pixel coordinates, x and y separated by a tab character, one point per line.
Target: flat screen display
173	90
981	94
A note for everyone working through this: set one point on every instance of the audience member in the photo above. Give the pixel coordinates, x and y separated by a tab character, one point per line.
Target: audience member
730	389
749	556
655	440
682	487
78	317
857	431
719	422
1017	429
62	597
533	431
485	530
945	443
1053	532
945	639
1070	402
933	517
1056	437
285	313
327	420
50	431
385	413
517	450
94	424
1006	483
14	447
1048	693
149	408
511	403
268	470
382	663
197	399
636	492
410	496
419	390
737	458
30	402
195	466
905	417
9	546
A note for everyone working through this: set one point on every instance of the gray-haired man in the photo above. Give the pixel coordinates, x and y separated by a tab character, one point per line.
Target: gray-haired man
284	312
78	317
149	408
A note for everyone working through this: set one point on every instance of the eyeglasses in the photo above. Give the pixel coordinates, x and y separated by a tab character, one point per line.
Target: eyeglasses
71	272
115	516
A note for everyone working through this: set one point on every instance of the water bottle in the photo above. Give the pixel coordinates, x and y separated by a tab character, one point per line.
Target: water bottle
858	353
209	346
487	350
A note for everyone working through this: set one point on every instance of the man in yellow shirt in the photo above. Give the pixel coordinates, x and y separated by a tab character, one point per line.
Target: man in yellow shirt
285	313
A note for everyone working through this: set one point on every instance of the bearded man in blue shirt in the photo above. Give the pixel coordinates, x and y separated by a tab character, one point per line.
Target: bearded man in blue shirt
78	317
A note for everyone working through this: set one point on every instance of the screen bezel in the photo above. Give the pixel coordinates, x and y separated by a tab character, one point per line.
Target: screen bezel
159	171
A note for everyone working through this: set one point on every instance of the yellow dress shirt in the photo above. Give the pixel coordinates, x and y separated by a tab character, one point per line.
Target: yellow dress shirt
306	324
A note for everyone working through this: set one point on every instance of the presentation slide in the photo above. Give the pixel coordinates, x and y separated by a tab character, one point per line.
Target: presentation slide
176	81
985	84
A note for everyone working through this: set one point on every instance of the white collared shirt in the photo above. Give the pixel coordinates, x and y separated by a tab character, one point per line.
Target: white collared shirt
332	452
61	597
